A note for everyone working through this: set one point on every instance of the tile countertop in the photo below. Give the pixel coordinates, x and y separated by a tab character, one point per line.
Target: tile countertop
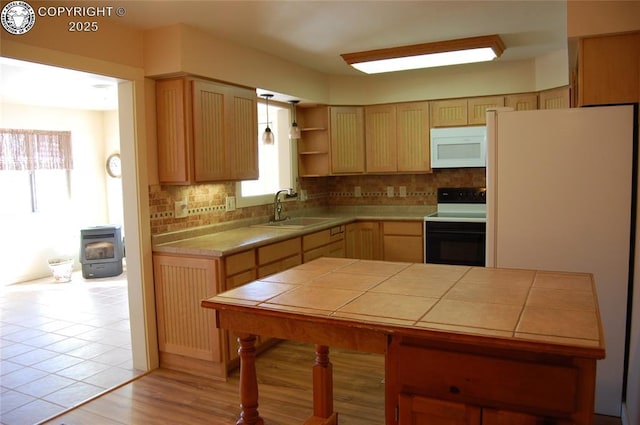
521	306
229	238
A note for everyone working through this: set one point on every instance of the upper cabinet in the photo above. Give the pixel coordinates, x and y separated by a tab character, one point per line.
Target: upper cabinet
609	69
313	145
521	101
206	132
558	98
461	112
397	138
347	139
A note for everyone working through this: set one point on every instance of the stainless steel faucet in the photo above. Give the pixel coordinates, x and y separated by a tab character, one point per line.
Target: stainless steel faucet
277	204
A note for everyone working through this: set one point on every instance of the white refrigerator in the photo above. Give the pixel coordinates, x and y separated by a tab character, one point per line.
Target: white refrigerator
559	197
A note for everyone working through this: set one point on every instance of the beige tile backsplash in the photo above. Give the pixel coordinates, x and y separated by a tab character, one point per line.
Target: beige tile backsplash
206	202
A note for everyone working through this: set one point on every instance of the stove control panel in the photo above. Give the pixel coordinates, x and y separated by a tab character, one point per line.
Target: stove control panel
462	195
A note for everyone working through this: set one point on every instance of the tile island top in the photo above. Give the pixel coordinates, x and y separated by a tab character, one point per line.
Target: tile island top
504	306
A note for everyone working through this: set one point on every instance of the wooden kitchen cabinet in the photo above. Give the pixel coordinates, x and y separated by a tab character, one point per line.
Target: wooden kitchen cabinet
325	243
449	113
397	138
347	139
461	112
381	139
403	241
363	240
558	98
206	131
522	101
188	339
477	108
609	69
278	256
313	145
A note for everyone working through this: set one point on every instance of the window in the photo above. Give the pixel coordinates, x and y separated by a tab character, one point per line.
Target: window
277	162
34	170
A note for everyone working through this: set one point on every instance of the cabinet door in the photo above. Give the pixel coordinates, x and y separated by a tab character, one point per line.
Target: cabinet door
522	102
448	113
380	139
412	124
242	140
554	98
477	108
210	131
363	240
347	140
173	138
184	328
416	410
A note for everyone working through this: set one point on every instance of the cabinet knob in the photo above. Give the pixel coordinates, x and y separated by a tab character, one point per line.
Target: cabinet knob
454	390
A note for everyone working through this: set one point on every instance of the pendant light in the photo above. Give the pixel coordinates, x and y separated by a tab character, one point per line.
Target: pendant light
294	131
267	136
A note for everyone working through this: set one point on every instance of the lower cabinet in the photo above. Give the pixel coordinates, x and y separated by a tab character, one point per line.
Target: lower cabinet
363	240
278	256
325	243
188	339
403	241
386	240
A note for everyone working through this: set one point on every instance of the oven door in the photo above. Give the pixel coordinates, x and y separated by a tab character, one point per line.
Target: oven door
459	243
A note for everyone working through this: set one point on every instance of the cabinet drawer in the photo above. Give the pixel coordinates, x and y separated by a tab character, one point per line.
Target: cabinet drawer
278	251
279	266
240	262
484	380
324	237
334	249
407	228
240	279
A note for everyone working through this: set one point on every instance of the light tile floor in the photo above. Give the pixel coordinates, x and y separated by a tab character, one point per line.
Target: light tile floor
61	344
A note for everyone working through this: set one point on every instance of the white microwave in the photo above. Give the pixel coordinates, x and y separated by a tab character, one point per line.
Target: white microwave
455	147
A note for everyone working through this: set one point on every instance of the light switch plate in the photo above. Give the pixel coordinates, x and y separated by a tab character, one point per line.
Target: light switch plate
403	191
390	191
357	191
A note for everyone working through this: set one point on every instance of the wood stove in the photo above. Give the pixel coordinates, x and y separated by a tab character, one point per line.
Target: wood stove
101	251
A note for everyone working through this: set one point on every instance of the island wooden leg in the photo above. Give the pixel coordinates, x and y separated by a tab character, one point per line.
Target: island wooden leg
323	387
248	381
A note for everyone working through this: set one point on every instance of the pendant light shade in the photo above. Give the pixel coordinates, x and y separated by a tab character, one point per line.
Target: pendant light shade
294	131
267	136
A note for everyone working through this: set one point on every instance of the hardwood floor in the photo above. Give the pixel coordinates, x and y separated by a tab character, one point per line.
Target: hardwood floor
284	374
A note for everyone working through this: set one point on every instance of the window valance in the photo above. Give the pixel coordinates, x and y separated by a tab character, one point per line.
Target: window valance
35	150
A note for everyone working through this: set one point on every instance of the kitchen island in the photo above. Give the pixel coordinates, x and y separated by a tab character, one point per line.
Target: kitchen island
478	344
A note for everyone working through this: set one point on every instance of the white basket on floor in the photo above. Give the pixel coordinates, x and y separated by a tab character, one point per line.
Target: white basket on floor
61	269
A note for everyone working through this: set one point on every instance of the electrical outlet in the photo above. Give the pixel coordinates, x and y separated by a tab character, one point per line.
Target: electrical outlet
302	196
390	191
230	203
357	192
403	191
181	209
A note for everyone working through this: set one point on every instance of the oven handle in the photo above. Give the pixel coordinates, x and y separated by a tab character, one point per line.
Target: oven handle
455	232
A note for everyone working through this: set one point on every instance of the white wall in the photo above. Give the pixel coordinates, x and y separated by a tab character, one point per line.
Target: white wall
36	237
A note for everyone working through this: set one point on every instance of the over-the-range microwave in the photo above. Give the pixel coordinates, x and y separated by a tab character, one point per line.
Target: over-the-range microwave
454	147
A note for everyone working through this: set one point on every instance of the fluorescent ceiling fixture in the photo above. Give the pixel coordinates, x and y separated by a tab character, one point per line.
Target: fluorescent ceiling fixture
427	55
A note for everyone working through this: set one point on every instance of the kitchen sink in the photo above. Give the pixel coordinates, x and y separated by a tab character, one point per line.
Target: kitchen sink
294	223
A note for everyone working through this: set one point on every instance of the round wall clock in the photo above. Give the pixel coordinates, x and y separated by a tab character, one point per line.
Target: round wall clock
114	166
